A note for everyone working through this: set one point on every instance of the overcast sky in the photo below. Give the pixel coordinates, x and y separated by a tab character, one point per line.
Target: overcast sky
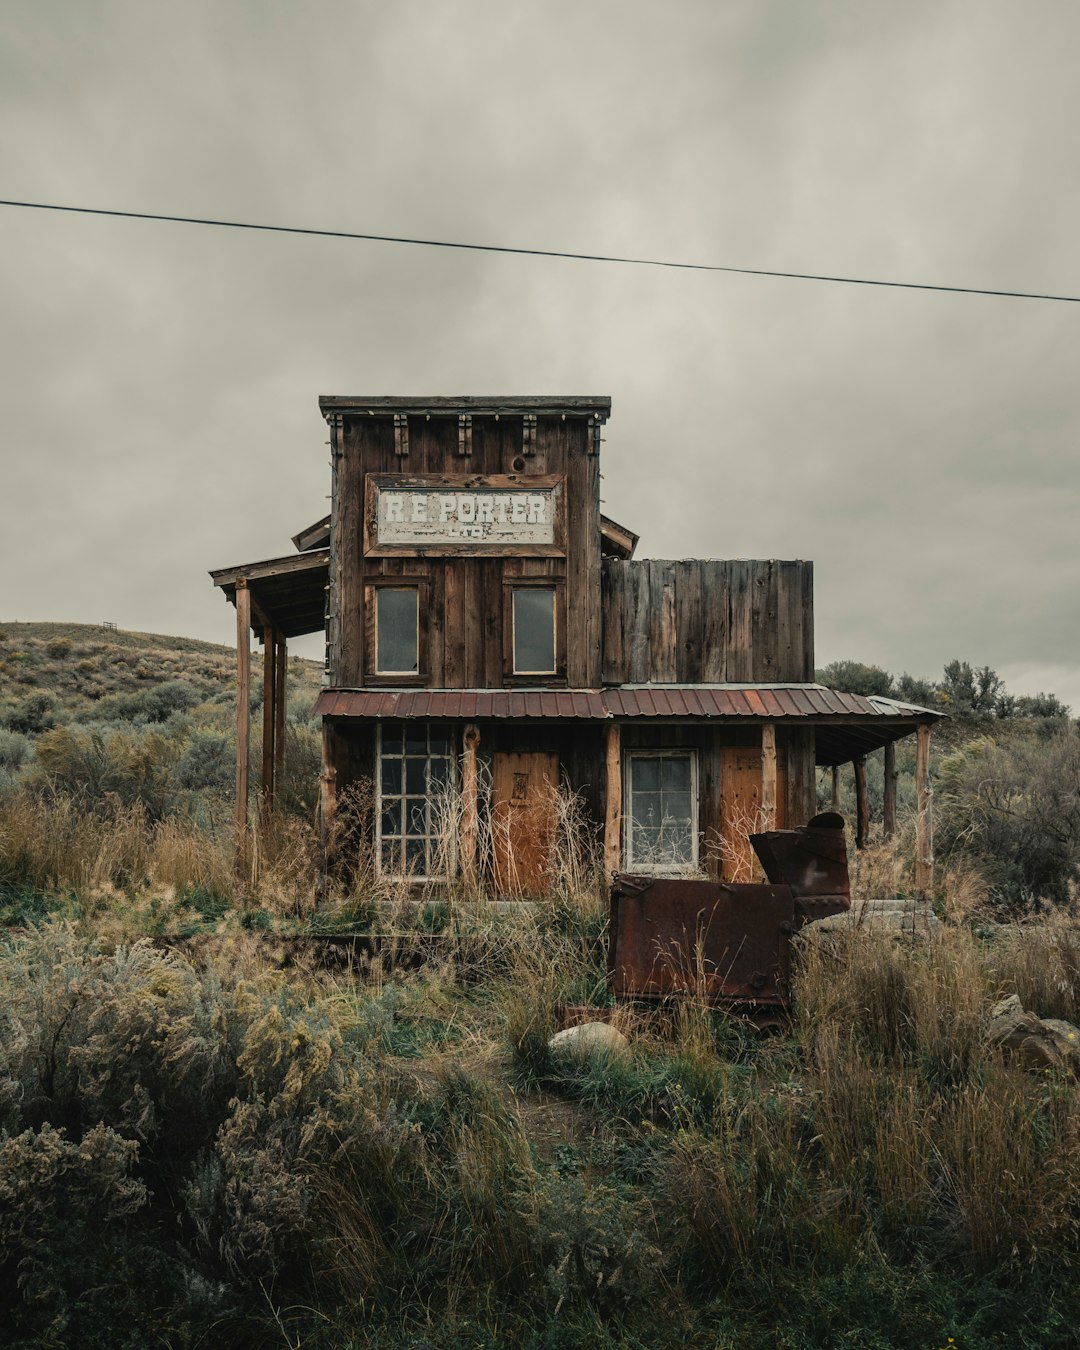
158	400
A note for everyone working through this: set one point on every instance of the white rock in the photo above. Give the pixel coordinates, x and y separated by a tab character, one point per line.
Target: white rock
589	1037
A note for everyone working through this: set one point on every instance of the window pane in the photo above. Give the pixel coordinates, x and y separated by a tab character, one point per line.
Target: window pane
391	777
415	777
646	774
415	857
415	817
534	630
391	856
396	630
391	738
391	816
662	811
675	773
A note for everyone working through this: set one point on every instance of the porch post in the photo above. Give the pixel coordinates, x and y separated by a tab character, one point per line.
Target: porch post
243	724
613	801
269	718
862	806
327	801
889	805
768	776
470	742
924	821
281	694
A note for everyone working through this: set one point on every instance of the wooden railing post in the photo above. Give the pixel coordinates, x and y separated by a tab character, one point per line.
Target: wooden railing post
889	803
613	801
862	804
243	724
281	695
269	720
924	820
768	776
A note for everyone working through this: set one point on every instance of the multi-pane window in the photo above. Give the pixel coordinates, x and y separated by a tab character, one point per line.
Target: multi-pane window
534	630
661	811
415	780
397	630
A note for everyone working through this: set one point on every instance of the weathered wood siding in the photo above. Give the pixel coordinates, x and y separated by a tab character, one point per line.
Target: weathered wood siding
707	621
466	598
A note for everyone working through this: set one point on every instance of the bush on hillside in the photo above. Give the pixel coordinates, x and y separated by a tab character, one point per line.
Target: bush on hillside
1014	806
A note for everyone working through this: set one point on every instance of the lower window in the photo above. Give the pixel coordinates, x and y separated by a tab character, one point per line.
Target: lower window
661	811
414	808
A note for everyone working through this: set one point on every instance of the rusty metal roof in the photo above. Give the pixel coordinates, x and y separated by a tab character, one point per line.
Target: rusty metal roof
524	704
772	702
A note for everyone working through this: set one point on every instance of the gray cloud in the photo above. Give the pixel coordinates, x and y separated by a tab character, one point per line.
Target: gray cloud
158	406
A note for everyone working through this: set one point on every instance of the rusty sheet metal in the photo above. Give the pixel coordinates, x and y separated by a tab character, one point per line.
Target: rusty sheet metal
771	701
671	936
576	704
727	942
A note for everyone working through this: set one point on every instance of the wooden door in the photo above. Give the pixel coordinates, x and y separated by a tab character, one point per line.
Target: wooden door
523	790
740	809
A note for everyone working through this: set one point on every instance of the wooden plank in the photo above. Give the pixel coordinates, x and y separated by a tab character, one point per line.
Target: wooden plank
740	624
924	821
768	775
467	844
281	699
243	725
662	661
613	578
639	621
789	650
269	721
889	802
807	606
862	807
740	811
688	621
613	811
764	630
592	635
715	616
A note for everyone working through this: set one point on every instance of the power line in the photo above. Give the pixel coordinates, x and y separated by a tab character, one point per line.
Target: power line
539	252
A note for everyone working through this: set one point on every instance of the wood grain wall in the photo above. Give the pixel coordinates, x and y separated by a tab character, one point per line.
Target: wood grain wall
707	621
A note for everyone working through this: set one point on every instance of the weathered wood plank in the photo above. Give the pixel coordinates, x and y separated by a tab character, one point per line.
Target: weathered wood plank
768	776
613	811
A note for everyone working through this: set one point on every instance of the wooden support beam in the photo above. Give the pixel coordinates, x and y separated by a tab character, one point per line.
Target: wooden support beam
836	787
269	721
889	804
243	724
281	695
924	821
862	805
470	744
768	776
613	801
327	803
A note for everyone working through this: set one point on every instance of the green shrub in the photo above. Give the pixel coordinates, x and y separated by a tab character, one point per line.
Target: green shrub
35	714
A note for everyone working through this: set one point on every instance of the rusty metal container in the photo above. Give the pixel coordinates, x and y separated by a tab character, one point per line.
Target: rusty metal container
726	942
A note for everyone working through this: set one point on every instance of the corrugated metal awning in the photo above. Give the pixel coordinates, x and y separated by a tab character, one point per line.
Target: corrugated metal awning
469	704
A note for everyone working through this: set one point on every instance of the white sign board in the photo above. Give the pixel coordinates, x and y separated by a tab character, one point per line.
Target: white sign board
487	516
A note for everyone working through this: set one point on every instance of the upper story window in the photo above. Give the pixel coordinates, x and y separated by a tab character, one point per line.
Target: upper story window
533	625
397	630
661	815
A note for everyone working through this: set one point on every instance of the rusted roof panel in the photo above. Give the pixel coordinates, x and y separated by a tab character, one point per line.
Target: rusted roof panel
578	704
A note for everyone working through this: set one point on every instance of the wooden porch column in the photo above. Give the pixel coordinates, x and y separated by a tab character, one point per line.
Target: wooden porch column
768	776
269	717
281	695
243	723
613	801
862	805
889	804
470	743
924	821
836	788
327	800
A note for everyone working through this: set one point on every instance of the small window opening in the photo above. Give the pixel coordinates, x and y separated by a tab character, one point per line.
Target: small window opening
662	816
397	645
534	630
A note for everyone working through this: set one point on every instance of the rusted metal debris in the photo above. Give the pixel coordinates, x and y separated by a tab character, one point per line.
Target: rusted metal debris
726	942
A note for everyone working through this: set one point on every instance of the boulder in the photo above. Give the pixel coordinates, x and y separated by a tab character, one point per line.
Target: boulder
589	1037
1036	1043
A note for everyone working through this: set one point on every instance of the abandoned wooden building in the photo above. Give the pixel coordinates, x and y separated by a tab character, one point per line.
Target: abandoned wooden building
490	636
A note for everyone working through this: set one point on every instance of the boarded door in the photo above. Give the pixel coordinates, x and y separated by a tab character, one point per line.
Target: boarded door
740	809
523	820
